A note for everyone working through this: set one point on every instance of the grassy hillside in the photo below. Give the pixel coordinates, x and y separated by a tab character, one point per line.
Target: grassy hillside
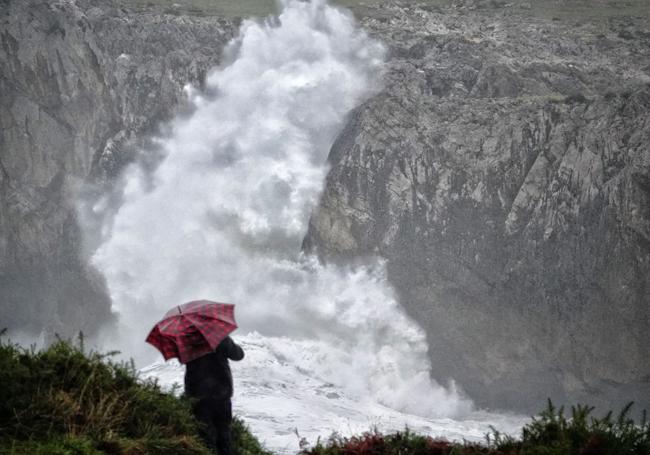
66	401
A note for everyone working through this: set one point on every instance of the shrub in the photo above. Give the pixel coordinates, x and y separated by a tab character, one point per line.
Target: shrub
63	400
583	434
552	433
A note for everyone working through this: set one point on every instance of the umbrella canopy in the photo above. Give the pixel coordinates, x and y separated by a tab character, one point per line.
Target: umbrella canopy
193	329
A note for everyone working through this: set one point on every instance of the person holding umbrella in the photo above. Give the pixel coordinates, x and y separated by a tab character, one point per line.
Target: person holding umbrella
197	334
209	380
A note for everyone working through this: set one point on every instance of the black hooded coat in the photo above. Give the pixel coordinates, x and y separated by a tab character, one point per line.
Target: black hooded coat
209	375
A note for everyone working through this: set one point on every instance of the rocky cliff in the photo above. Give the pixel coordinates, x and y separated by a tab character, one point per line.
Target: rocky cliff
80	82
504	172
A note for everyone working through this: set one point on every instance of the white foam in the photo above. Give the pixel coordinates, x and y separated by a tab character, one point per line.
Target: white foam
282	397
223	215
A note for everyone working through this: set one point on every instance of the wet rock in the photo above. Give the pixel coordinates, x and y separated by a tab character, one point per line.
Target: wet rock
80	82
503	173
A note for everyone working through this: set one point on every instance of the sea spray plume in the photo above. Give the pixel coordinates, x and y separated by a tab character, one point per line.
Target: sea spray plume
224	213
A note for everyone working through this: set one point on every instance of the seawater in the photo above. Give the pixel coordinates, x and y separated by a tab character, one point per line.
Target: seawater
223	213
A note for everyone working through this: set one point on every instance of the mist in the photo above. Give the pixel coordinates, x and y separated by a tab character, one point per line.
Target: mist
223	215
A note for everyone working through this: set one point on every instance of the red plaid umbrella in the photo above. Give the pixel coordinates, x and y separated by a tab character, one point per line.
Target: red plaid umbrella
193	329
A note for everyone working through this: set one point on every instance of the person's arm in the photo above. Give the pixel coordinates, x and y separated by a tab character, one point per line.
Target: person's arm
233	350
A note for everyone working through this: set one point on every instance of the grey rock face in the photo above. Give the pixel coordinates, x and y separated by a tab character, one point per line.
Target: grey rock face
79	82
504	172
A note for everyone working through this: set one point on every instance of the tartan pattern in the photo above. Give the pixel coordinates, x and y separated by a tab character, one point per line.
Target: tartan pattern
193	329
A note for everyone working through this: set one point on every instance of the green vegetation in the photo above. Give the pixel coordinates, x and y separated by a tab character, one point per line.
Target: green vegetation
225	8
552	433
244	442
587	10
583	10
237	8
63	400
